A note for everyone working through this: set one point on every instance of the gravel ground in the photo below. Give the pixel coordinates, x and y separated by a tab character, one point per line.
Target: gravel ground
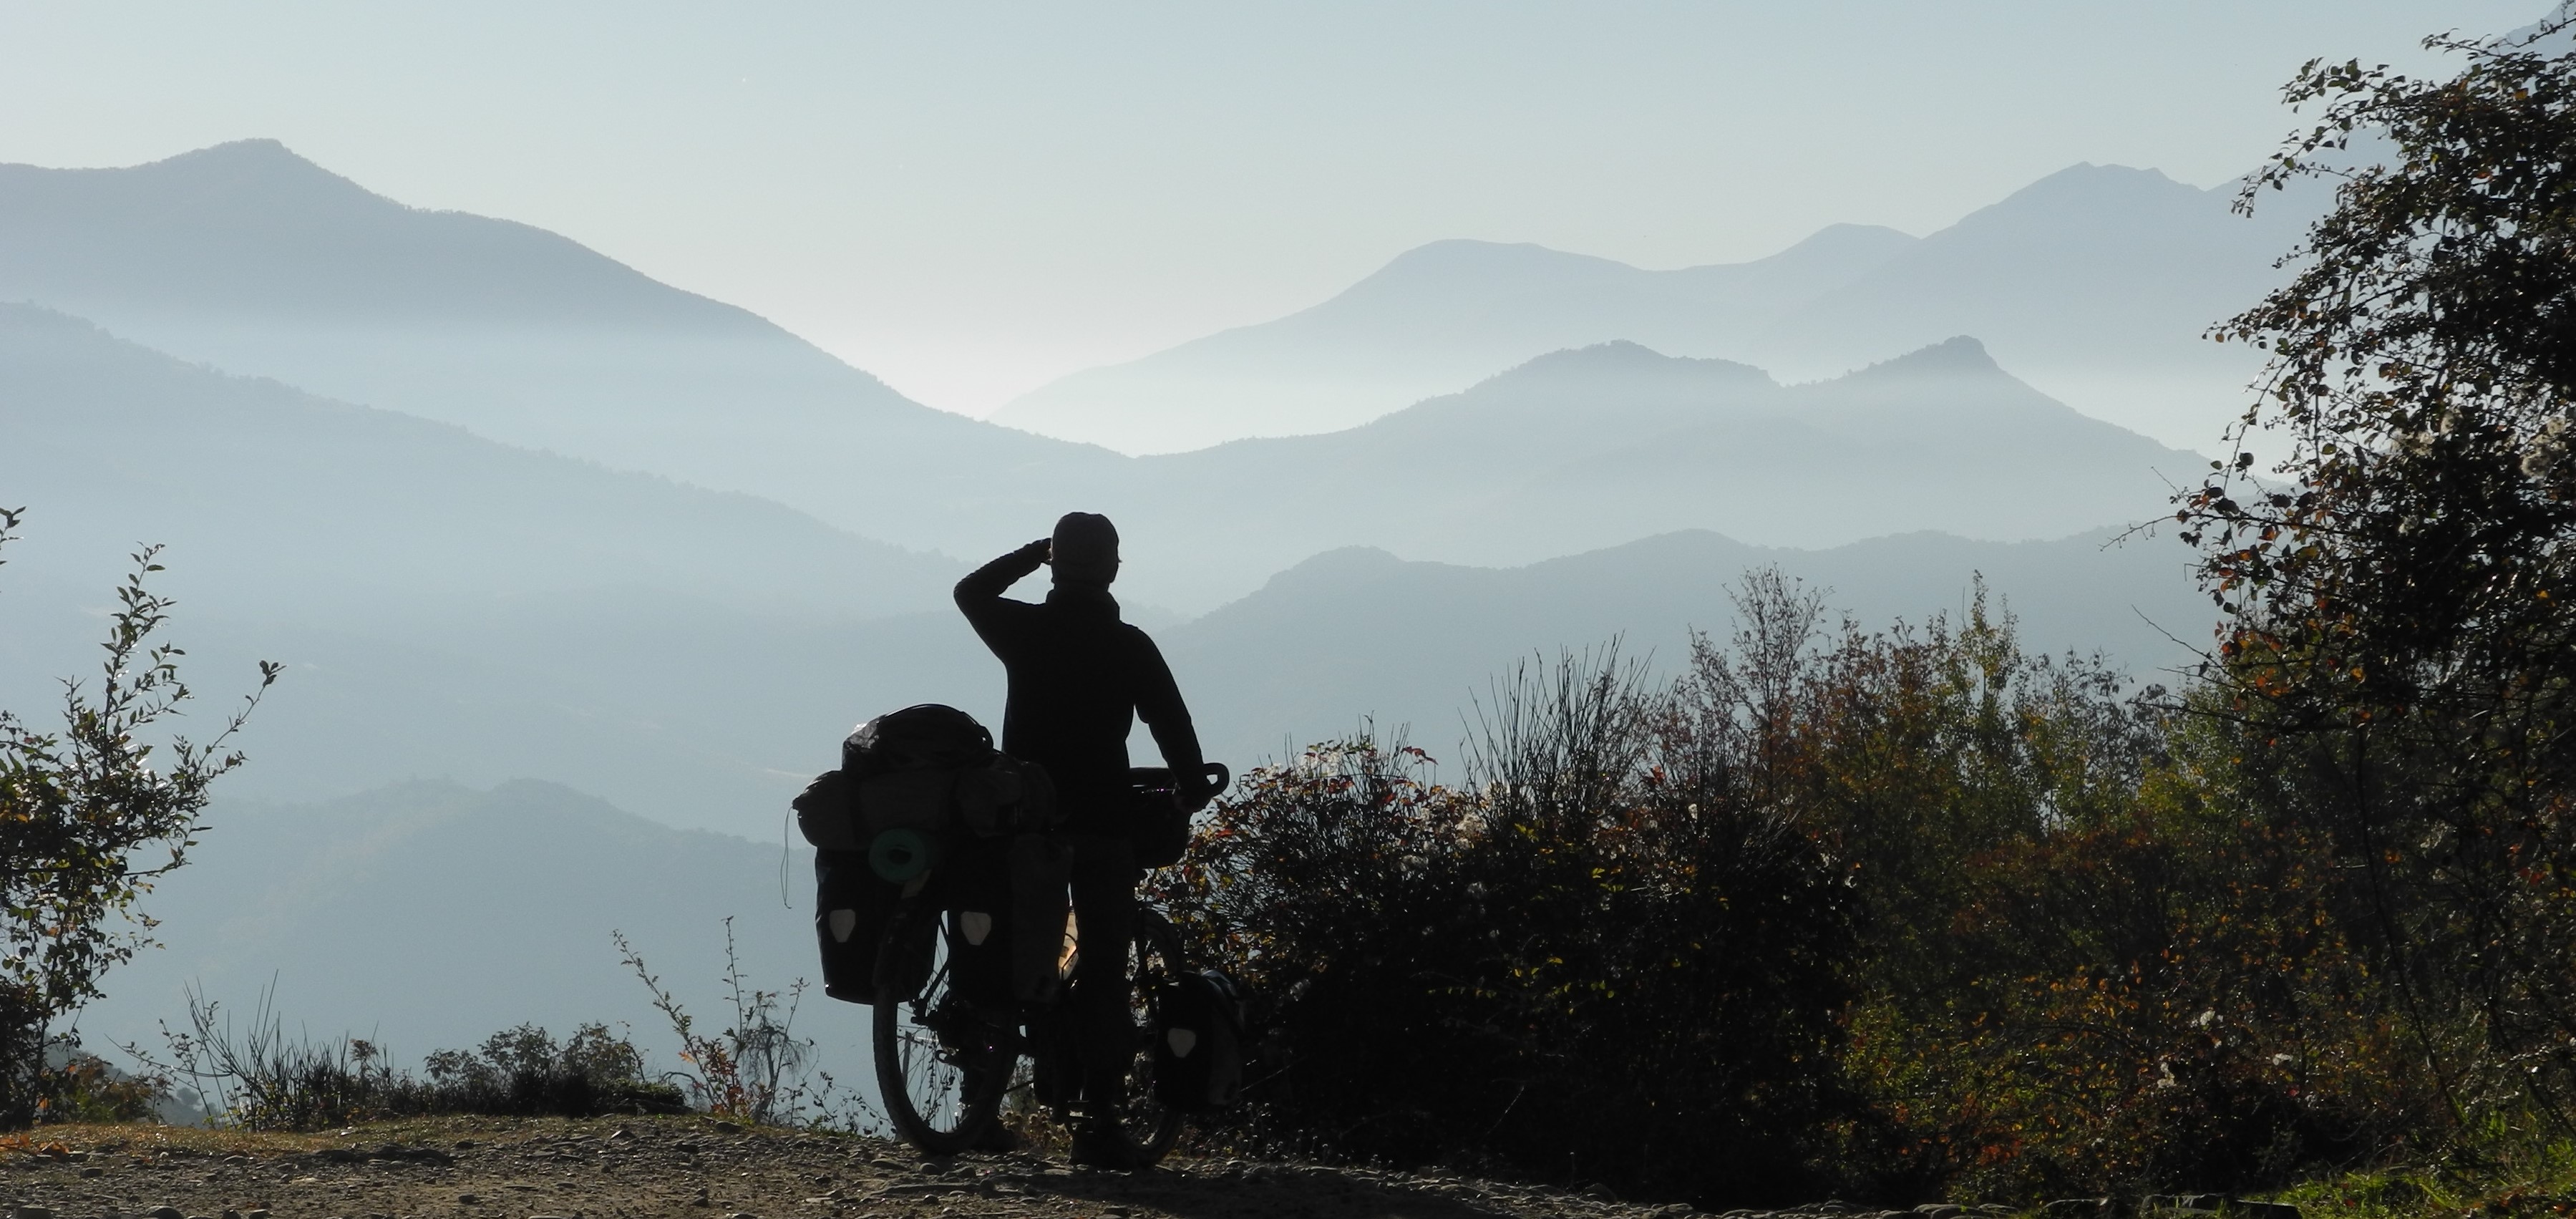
698	1168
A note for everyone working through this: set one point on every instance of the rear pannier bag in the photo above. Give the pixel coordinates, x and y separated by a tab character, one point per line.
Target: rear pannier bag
1008	896
1198	1044
851	909
922	800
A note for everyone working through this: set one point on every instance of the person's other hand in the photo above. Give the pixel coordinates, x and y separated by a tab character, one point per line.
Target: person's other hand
1043	548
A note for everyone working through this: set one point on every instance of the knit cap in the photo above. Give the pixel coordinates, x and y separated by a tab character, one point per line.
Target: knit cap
1086	549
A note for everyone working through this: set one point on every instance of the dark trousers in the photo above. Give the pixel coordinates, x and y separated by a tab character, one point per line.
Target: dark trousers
1105	876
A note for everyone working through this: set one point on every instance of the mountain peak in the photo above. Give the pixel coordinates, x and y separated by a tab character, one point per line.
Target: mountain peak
261	163
257	184
1626	360
2083	199
1957	356
255	149
1459	260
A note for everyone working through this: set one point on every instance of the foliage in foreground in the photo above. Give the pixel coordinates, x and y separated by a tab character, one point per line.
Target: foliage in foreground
1490	972
1904	914
259	1077
87	821
262	1078
756	1069
2399	655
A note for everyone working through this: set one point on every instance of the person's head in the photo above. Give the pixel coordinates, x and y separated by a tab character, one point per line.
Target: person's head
1085	550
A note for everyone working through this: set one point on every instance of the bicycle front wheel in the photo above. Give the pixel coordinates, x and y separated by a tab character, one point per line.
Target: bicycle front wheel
941	1064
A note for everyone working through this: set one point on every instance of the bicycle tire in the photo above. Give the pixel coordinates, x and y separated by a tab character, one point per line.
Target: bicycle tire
1154	959
940	1066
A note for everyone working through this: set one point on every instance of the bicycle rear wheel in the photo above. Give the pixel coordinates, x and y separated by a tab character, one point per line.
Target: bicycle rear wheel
941	1064
1153	961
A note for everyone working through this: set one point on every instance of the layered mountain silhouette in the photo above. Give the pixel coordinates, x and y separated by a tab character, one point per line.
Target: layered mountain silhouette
1437	319
250	258
2095	283
1617	442
450	604
254	261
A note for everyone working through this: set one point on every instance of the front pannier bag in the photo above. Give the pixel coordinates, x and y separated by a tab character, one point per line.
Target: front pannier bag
1198	1050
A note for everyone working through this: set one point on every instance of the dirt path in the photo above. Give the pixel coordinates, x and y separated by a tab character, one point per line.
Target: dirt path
698	1169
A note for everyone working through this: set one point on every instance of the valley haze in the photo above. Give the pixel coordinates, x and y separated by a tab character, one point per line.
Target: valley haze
563	560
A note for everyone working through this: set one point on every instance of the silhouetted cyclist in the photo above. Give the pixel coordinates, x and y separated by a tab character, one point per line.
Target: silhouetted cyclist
1079	679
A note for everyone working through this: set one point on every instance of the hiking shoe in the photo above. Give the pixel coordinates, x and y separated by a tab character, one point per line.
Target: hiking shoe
1101	1144
998	1138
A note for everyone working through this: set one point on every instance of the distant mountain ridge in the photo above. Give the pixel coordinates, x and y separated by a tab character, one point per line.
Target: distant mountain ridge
1436	319
252	259
1615	442
1359	632
2095	283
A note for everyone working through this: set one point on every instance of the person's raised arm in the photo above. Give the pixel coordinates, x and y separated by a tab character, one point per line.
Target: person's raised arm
979	595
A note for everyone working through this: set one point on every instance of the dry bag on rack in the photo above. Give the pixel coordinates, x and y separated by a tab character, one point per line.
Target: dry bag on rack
926	769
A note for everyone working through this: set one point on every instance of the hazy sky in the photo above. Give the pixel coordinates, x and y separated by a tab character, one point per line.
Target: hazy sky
969	199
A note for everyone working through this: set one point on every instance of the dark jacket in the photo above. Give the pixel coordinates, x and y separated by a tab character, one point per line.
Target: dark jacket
1079	678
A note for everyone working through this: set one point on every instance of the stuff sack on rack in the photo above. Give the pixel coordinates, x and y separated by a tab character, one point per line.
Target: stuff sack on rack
925	769
1198	1042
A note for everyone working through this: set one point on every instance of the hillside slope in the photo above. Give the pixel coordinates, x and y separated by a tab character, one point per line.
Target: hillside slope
279	504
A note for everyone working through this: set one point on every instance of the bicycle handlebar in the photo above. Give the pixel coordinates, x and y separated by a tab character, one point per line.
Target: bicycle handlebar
1161	779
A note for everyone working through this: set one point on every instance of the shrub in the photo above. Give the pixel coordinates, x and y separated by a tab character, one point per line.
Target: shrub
1602	959
757	1069
524	1071
1900	914
78	1087
263	1079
